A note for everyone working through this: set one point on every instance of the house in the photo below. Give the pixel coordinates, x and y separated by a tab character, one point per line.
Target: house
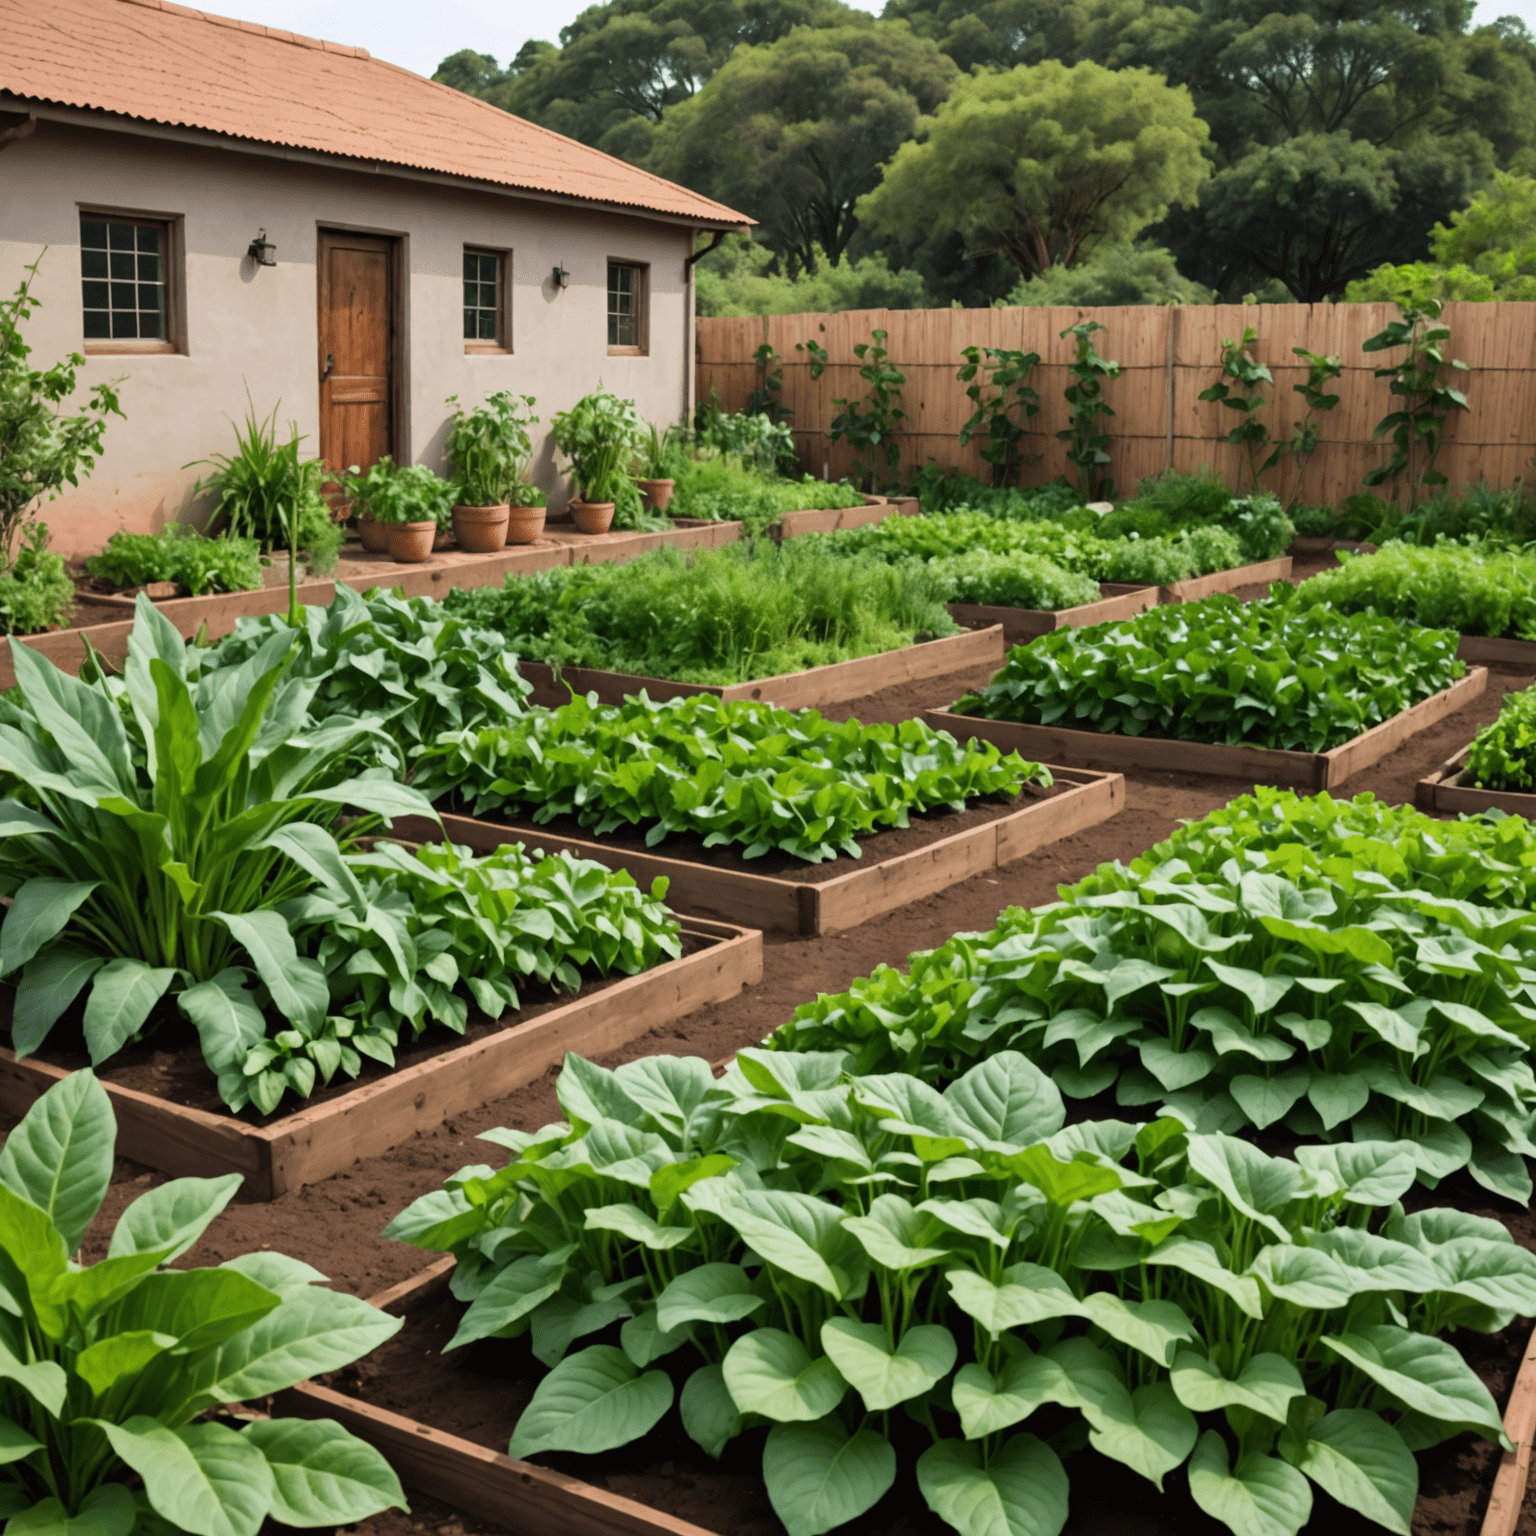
236	216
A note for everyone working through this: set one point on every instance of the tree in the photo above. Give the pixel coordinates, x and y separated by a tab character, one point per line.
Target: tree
620	65
1044	162
795	132
1128	273
742	277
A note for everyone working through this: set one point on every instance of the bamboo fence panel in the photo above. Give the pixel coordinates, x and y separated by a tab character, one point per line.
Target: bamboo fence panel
1167	356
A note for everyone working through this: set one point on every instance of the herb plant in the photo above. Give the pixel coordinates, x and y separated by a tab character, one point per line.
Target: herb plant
118	1371
36	591
1481	590
1088	445
761	439
870	426
1275	673
733	772
1011	581
1242	394
724	489
180	554
1336	970
401	493
1007	371
489	448
1418	429
810	1251
711	616
1503	753
159	822
599	435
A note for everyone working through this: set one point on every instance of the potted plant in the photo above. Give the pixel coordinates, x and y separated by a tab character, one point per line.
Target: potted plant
651	465
488	447
412	504
599	434
526	511
360	488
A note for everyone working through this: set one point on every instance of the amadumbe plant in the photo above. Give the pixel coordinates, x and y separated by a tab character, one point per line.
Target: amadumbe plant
157	822
113	1374
811	1252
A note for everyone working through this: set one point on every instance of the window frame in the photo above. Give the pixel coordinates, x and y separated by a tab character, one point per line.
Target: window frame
171	255
502	346
642	305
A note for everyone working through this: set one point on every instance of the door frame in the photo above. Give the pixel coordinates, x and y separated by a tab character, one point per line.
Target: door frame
398	312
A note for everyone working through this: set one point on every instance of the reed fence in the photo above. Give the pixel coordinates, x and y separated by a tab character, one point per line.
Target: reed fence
1167	356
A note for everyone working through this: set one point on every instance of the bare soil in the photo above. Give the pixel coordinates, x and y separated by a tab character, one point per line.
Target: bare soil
335	1224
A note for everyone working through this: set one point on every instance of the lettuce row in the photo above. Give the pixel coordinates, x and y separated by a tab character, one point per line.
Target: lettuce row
796	1248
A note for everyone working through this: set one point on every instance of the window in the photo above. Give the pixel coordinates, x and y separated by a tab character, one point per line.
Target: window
485	302
125	283
626	308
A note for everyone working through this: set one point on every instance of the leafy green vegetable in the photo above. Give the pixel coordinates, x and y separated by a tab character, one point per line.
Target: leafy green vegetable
180	554
711	616
1011	581
794	1245
36	591
113	1375
1274	673
1336	970
726	489
1476	590
1503	753
735	772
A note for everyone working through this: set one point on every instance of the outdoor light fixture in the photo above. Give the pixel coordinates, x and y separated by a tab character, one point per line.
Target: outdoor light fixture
262	251
562	278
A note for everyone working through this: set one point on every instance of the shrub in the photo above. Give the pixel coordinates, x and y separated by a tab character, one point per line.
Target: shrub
36	591
180	554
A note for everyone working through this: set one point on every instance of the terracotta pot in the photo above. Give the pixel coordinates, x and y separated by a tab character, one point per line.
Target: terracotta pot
443	539
525	524
480	530
592	516
409	543
657	493
371	534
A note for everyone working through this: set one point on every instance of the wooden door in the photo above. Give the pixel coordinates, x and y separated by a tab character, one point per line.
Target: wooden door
357	348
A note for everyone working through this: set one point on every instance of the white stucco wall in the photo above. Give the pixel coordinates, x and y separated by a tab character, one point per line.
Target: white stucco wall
255	329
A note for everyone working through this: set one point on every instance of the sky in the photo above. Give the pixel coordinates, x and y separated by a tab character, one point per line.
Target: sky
419	37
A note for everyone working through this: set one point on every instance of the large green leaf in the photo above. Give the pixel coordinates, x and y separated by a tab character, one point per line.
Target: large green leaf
988	1403
592	1401
1201	1260
1362	1461
712	1293
788	1230
15	1442
60	1156
39	912
298	986
50	982
512	1294
709	1413
1426	1375
892	1235
227	1020
322	1474
1020	1491
107	1510
122	995
772	1373
820	1477
1030	1293
42	1380
1006	1101
199	1308
1148	1430
1262	1497
168	1220
204	1478
882	1375
1259	1186
1266	1385
313	849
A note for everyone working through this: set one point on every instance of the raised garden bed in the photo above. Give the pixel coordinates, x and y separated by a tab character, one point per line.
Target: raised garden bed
1509	652
794	690
829	519
839	894
1196	587
1310	771
1021	625
338	1127
1442	791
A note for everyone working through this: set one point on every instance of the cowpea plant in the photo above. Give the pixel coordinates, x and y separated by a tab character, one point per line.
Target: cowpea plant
732	771
1329	994
156	823
811	1251
113	1374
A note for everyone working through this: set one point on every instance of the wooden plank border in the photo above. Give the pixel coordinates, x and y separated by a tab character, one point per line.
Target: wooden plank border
1311	771
1511	652
314	1143
1443	791
1514	1470
486	1485
1196	587
876	509
1021	625
829	906
811	689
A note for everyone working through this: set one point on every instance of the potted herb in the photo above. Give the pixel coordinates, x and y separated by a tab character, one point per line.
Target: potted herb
413	504
651	465
360	488
527	509
488	447
599	434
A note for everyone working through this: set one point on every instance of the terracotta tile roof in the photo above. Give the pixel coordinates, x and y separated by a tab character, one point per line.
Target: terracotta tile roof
165	63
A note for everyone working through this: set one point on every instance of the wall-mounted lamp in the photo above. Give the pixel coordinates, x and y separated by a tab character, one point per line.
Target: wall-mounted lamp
561	278
262	251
